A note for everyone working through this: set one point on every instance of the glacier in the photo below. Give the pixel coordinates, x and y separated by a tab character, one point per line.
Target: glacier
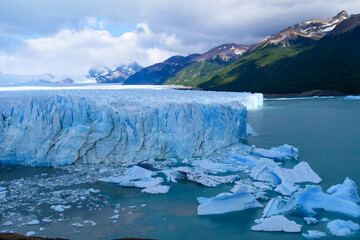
57	127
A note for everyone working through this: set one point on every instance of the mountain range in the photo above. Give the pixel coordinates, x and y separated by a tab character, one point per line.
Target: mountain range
118	75
315	54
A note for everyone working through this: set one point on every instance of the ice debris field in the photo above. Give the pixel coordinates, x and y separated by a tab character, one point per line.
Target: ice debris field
151	139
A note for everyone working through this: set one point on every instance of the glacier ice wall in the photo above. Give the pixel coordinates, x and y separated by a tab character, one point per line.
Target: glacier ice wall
55	128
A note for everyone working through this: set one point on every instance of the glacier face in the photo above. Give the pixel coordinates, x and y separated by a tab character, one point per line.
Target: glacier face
66	126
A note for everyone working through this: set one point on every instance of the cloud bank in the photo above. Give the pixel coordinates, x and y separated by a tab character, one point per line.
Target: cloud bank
72	36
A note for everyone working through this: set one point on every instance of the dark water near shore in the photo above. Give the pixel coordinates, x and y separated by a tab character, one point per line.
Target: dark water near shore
326	131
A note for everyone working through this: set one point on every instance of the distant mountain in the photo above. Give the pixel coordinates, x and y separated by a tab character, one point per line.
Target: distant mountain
158	73
207	64
299	64
313	29
119	75
181	70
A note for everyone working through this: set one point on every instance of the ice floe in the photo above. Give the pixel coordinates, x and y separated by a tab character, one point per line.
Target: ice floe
276	206
350	97
156	189
280	153
347	190
314	234
313	198
140	178
60	208
227	202
310	220
276	224
342	228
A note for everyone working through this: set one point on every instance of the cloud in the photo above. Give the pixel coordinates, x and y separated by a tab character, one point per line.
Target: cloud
48	36
75	52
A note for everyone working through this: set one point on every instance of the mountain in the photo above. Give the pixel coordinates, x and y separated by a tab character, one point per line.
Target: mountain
207	64
119	75
304	64
313	29
181	70
158	73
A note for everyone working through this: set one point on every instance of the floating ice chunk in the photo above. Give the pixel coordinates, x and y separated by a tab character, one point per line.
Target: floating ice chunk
310	220
269	171
280	153
286	187
276	206
347	190
60	208
242	160
314	234
30	233
133	173
142	183
171	175
314	198
204	179
93	190
214	166
58	193
156	189
135	177
342	228
33	222
8	223
249	188
302	172
277	224
2	189
77	225
114	217
3	194
352	97
227	202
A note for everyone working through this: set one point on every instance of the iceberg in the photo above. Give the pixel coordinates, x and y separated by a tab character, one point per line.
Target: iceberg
342	228
314	234
310	220
280	153
156	189
202	178
276	206
269	171
227	202
138	177
347	190
277	224
350	97
89	126
313	198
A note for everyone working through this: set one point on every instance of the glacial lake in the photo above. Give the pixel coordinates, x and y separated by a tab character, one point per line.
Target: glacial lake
326	131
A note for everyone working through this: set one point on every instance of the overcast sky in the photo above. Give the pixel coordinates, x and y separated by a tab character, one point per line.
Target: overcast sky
69	37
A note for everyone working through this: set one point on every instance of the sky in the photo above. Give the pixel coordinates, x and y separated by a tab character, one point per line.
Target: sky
70	37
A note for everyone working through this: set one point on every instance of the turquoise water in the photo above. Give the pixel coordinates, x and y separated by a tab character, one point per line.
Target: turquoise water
326	131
